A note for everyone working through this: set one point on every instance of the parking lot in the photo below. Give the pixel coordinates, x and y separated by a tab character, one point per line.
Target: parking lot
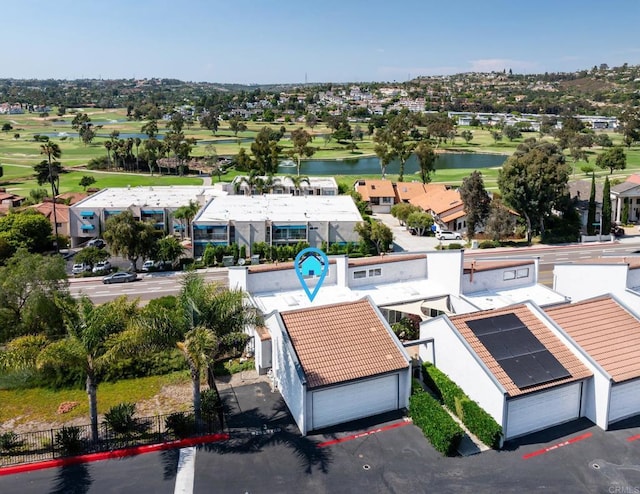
266	454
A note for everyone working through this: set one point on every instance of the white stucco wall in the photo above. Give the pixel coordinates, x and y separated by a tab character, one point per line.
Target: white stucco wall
454	358
287	373
633	278
494	279
583	281
445	267
390	272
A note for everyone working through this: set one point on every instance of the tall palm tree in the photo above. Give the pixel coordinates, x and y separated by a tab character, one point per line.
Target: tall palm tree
53	153
210	325
89	328
185	215
137	141
108	145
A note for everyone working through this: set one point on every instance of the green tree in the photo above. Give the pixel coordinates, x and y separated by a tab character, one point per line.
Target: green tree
426	160
129	237
532	180
91	256
150	128
237	125
501	222
170	249
30	285
476	202
28	229
394	142
297	182
376	234
209	121
211	325
467	135
420	221
402	210
606	206
87	181
266	151
300	139
6	127
613	158
185	214
591	213
511	132
48	171
89	329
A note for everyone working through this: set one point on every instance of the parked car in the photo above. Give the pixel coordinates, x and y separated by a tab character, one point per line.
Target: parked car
96	242
102	266
119	277
448	235
80	267
151	265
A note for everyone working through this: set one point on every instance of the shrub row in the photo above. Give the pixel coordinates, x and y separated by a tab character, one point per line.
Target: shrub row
477	420
489	244
436	424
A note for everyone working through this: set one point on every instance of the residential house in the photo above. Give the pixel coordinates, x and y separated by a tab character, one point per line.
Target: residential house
445	206
580	192
379	194
61	216
626	197
280	184
9	201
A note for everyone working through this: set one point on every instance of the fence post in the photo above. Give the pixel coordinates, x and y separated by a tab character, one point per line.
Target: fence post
53	444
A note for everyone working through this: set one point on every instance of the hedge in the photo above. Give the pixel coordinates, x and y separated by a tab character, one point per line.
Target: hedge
477	420
436	424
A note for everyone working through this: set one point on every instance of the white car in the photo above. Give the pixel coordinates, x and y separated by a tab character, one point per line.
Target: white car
80	267
102	266
448	235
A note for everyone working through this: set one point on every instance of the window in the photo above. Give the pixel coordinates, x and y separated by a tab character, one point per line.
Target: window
509	275
375	272
359	274
522	273
387	200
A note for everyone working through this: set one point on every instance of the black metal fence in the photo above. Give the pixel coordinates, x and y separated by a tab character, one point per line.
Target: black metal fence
74	440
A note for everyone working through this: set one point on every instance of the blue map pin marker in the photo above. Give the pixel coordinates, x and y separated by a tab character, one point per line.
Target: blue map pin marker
311	264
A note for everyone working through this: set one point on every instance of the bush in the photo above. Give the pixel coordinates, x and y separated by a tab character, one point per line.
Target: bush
120	419
210	402
233	366
69	441
416	386
407	328
9	442
436	424
455	246
473	416
489	244
180	424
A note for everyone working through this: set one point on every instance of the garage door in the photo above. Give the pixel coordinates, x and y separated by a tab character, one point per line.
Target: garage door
625	400
544	409
341	404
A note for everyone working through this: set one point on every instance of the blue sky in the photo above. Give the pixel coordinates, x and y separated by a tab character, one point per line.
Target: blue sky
279	41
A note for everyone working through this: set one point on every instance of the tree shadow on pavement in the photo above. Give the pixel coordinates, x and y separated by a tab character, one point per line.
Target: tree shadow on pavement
73	479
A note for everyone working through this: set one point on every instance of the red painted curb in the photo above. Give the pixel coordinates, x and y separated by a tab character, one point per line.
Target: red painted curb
362	434
633	438
556	446
110	455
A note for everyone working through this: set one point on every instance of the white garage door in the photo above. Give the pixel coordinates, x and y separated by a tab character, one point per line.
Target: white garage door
625	400
544	409
353	401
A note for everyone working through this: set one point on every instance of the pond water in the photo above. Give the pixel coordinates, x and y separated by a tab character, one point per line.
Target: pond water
371	165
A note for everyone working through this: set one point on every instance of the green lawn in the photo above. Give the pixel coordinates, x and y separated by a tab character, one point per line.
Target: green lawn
41	404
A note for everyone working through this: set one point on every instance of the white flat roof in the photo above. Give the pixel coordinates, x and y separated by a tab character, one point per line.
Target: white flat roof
155	196
495	299
383	294
286	180
279	207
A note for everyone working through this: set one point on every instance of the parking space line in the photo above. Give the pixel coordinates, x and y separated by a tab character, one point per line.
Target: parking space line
363	434
186	471
542	451
633	438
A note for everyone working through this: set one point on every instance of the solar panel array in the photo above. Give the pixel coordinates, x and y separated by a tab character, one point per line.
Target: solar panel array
517	350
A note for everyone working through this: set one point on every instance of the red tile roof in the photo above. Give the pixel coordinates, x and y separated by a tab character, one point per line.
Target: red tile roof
408	190
551	342
376	188
439	201
606	331
342	342
634	179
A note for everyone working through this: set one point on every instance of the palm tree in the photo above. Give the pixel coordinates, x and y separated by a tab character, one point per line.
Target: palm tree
186	213
108	145
53	153
210	325
169	249
89	328
137	142
297	183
